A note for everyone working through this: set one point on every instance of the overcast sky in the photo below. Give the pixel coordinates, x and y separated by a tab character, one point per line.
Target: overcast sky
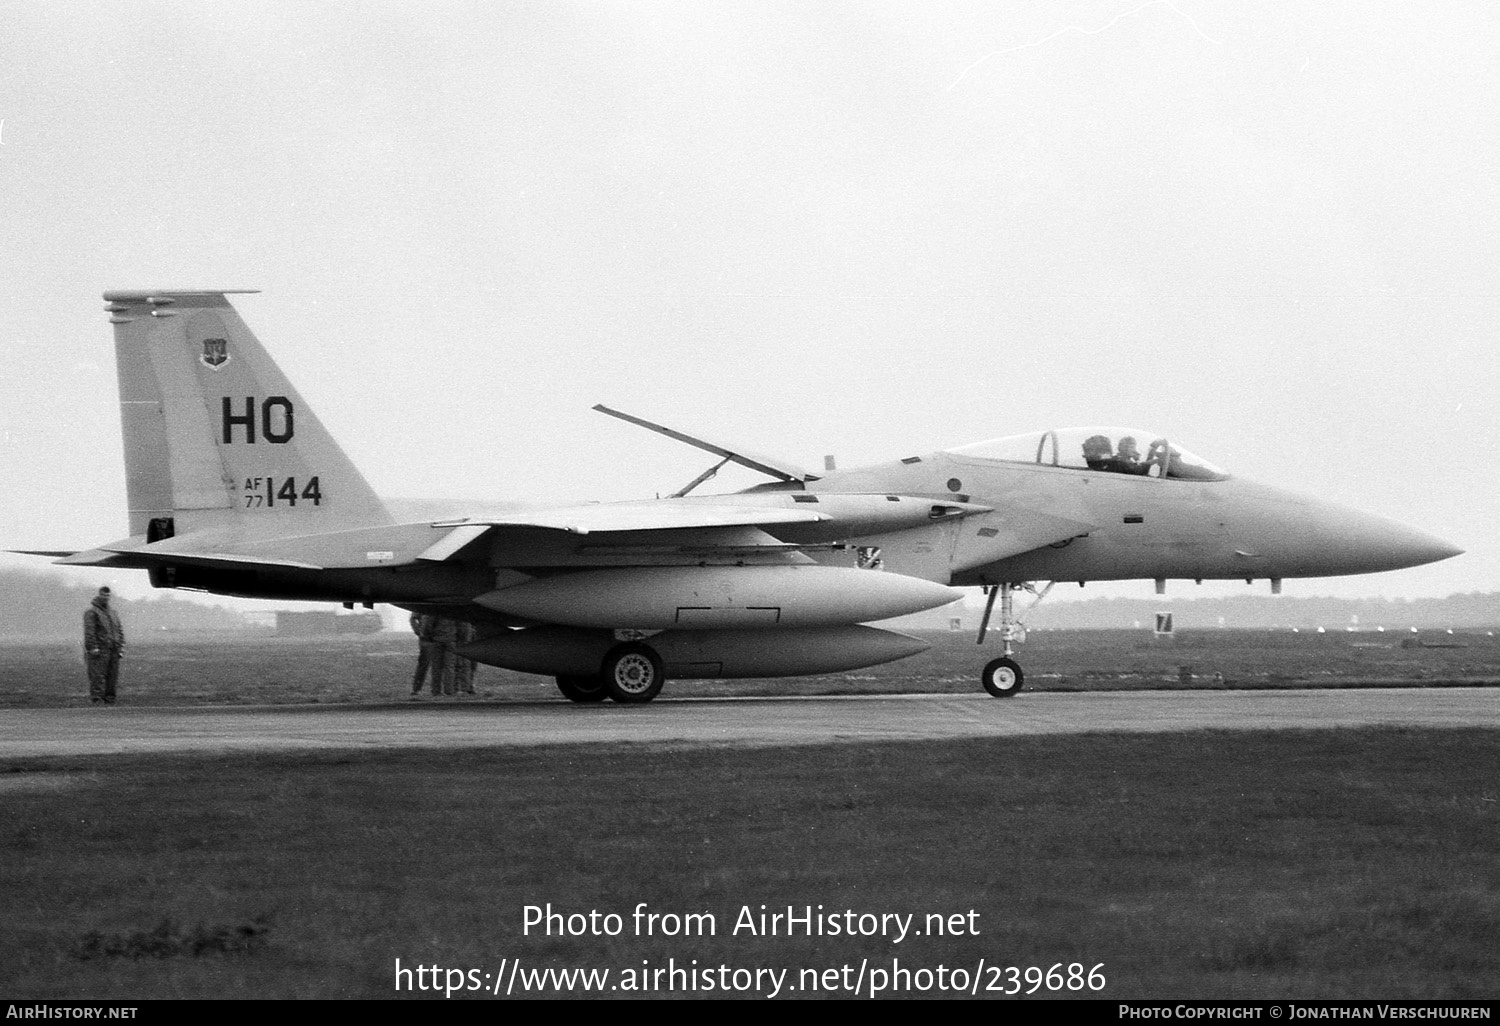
1267	230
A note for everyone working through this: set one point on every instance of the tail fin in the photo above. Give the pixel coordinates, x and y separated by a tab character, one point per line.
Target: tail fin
215	435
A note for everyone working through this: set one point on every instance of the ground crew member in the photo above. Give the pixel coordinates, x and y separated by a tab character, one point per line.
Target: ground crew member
463	669
435	661
423	654
441	635
103	643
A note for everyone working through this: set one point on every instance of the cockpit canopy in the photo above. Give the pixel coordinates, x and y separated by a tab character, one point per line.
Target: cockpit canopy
1110	450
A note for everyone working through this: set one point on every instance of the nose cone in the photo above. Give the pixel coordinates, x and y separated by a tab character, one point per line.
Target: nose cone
1294	535
1348	541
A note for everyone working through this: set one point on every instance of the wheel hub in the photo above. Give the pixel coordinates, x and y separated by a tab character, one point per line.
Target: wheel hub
634	673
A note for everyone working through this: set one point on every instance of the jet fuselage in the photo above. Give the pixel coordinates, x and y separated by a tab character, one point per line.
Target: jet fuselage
1131	526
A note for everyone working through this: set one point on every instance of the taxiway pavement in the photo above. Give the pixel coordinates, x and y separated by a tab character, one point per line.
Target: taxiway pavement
713	722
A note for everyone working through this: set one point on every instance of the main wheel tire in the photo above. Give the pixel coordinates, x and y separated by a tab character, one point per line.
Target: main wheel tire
582	690
1002	678
633	673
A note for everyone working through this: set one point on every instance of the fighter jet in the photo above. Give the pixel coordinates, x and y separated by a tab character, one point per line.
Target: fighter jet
235	488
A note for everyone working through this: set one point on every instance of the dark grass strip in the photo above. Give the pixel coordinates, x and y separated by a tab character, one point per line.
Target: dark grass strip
1311	863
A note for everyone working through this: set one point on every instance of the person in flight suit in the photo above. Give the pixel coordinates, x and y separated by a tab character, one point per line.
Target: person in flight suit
1128	458
1098	453
103	644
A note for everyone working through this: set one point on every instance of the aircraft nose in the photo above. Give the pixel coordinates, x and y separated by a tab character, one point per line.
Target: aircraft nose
1368	543
1287	534
1430	548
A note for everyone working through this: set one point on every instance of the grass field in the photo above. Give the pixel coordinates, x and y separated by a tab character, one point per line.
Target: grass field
237	668
1215	864
1230	865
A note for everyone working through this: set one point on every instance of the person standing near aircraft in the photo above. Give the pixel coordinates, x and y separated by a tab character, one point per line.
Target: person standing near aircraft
103	643
441	635
437	637
463	669
424	654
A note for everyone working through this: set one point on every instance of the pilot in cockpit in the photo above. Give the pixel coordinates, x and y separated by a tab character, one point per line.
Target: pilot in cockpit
1098	453
1127	458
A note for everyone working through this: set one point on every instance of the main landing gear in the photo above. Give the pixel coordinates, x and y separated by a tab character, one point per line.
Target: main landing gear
631	674
1002	677
583	690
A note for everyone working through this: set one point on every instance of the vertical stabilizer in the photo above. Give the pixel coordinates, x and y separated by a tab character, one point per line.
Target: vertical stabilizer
215	435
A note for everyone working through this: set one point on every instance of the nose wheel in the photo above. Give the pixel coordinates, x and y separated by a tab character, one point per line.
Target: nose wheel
1002	677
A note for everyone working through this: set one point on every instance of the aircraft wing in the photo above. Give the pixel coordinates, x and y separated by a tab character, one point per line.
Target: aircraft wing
730	527
772	525
779	469
652	515
136	553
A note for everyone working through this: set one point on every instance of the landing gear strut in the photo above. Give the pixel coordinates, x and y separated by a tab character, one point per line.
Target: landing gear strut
1002	677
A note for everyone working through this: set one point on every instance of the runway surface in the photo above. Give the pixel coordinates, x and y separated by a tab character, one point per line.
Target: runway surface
713	722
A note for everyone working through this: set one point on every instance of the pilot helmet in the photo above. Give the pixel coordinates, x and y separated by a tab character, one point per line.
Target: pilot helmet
1096	446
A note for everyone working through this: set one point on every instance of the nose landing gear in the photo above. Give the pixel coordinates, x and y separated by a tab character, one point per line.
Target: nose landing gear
1002	677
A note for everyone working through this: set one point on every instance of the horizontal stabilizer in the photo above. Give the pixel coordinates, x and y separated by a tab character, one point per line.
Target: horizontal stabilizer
228	559
137	553
94	557
389	546
167	554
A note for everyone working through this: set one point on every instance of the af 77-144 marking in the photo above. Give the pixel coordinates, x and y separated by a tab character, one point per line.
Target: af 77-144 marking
611	599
